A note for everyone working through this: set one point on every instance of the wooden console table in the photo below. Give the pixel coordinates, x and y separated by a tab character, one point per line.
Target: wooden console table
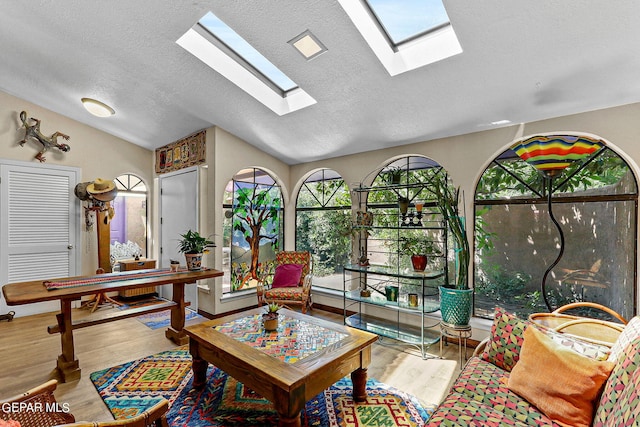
68	366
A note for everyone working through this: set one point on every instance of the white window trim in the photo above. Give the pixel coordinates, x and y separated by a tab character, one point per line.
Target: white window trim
432	47
197	44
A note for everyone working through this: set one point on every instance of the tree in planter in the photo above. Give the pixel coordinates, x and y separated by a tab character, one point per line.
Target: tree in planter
254	209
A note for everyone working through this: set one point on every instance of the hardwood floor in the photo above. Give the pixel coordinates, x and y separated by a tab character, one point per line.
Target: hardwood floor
29	356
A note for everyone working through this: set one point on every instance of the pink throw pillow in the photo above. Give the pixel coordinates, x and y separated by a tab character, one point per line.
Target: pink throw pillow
287	275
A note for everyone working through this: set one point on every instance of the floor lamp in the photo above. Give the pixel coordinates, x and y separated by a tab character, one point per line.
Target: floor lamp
550	155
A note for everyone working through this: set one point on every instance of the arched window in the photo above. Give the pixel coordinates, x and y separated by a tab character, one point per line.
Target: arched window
323	213
252	228
595	204
129	223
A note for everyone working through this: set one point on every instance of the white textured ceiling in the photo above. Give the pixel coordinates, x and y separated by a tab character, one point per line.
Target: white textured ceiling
522	60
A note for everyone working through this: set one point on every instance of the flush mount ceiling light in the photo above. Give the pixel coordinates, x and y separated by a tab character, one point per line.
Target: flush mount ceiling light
308	45
97	108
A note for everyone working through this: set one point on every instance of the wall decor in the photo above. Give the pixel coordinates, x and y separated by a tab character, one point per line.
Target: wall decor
32	131
183	153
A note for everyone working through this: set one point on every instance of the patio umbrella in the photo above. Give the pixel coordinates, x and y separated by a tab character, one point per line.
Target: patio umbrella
550	155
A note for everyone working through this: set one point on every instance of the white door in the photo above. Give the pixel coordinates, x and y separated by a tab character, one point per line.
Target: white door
178	214
39	224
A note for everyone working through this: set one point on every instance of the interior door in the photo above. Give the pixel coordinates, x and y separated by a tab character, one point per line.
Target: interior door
39	225
178	214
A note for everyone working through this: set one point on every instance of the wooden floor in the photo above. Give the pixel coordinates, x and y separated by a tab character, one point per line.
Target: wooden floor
28	354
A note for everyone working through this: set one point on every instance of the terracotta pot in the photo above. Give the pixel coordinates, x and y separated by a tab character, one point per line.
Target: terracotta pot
419	262
270	324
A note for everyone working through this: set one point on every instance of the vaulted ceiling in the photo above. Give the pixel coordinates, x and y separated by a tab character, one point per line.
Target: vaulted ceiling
521	61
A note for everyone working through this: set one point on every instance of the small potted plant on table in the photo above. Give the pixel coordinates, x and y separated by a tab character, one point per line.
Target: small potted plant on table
193	245
270	317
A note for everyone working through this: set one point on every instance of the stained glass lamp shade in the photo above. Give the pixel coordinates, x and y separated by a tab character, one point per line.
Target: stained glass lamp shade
550	155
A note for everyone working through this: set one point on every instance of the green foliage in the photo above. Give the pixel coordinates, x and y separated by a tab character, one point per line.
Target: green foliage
323	234
501	285
418	244
513	177
193	243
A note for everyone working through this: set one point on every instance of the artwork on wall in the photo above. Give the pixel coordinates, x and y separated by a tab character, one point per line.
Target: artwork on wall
32	132
183	153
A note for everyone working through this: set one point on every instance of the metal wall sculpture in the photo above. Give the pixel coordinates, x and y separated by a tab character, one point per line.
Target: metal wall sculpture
32	132
551	155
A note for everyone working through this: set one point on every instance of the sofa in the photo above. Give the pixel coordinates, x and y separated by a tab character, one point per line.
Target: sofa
527	375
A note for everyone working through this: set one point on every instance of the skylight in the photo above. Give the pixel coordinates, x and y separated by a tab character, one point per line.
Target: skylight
247	52
404	35
410	18
225	51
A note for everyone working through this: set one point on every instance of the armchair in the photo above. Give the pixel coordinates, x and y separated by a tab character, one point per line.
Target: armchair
293	293
38	397
156	416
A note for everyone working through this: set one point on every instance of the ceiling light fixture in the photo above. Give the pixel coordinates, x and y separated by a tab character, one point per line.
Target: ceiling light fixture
97	108
308	45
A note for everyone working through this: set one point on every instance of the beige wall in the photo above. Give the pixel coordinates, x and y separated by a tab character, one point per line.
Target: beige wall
95	153
98	154
230	155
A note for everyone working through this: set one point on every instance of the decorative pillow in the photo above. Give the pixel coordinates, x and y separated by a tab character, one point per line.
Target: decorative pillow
287	275
591	350
503	348
630	332
562	384
611	403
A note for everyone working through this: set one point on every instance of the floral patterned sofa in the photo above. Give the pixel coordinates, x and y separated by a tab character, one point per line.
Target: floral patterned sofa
562	393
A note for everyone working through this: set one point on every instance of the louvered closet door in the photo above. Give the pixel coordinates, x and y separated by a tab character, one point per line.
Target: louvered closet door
39	226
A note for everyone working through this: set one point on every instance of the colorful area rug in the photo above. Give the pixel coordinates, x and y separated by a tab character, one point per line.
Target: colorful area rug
162	319
129	389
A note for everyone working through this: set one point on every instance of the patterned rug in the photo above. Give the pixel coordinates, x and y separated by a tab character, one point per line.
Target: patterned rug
129	389
162	319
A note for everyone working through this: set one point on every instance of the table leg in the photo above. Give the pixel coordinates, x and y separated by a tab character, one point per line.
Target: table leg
68	366
175	332
359	380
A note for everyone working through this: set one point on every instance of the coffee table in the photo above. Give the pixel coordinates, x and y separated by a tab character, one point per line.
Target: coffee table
289	366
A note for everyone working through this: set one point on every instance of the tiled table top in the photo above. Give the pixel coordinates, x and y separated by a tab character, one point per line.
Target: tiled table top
293	340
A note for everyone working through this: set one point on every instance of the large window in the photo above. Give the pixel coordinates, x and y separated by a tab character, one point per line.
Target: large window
252	229
129	223
323	218
413	177
595	203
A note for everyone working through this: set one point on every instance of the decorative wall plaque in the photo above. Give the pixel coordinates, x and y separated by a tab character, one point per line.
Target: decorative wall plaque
183	153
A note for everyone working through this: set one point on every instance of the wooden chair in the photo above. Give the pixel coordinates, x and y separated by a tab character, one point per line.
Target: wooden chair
297	295
156	416
50	414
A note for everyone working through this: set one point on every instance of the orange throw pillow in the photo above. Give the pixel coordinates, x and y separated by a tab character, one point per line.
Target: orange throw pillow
562	384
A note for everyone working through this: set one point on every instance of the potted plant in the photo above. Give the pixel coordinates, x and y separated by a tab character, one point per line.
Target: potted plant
394	175
418	248
270	317
455	301
193	245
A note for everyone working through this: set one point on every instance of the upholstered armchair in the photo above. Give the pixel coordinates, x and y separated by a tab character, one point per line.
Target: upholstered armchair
291	284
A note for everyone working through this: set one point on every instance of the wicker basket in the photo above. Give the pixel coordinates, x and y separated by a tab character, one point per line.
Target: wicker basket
592	330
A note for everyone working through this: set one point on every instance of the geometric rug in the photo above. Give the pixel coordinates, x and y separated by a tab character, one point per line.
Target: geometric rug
162	319
130	388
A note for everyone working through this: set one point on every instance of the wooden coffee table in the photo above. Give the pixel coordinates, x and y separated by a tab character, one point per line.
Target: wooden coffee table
288	367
